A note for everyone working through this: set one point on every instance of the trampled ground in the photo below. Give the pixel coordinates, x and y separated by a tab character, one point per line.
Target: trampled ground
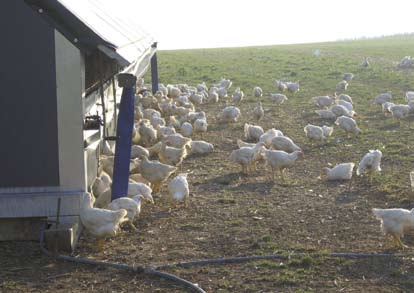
230	214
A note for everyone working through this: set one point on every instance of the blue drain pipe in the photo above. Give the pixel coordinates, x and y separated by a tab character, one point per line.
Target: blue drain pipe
124	130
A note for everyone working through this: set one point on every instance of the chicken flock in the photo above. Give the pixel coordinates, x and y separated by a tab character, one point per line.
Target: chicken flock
166	120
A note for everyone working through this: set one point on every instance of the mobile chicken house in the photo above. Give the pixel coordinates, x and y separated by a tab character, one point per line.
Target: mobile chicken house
60	60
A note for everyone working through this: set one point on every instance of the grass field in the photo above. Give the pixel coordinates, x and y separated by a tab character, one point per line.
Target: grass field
235	215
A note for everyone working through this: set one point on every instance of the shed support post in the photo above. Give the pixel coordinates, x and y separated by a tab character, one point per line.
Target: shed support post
124	136
154	70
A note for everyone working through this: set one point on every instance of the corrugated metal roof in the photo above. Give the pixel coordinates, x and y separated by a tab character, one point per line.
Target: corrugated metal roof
99	24
101	17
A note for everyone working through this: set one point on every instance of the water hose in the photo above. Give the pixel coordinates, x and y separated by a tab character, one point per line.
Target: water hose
148	270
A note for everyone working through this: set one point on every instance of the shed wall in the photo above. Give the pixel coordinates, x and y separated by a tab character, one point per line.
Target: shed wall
28	118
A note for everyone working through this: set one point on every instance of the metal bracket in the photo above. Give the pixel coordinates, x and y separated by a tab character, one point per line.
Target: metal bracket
127	80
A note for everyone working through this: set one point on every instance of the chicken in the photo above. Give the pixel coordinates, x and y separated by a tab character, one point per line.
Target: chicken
137	150
155	149
101	223
131	205
280	160
370	163
238	95
186	129
281	85
242	144
326	114
229	114
176	140
340	110
247	156
257	92
339	172
155	172
386	108
165	130
138	188
342	85
178	188
323	101
200	147
347	105
348	124
284	143
314	132
200	125
293	87
99	186
103	199
171	155
382	98
148	135
252	132
346	98
395	222
258	112
267	137
348	76
399	111
278	99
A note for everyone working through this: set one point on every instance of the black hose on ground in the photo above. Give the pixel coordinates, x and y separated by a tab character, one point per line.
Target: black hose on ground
243	259
151	271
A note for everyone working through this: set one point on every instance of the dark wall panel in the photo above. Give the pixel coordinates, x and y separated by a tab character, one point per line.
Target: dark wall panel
28	118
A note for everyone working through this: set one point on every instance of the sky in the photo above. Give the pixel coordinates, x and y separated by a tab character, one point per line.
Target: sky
185	24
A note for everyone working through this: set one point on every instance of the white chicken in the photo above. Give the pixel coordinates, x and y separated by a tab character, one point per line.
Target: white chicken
280	160
323	101
386	108
347	105
176	140
348	76
200	126
258	111
382	98
284	143
340	110
137	150
229	114
342	85
370	163
293	87
345	97
267	137
395	222
200	147
277	99
186	129
247	156
281	85
101	223
138	188
242	144
238	95
252	132
131	205
326	114
178	188
314	132
348	124
339	172
399	111
257	92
